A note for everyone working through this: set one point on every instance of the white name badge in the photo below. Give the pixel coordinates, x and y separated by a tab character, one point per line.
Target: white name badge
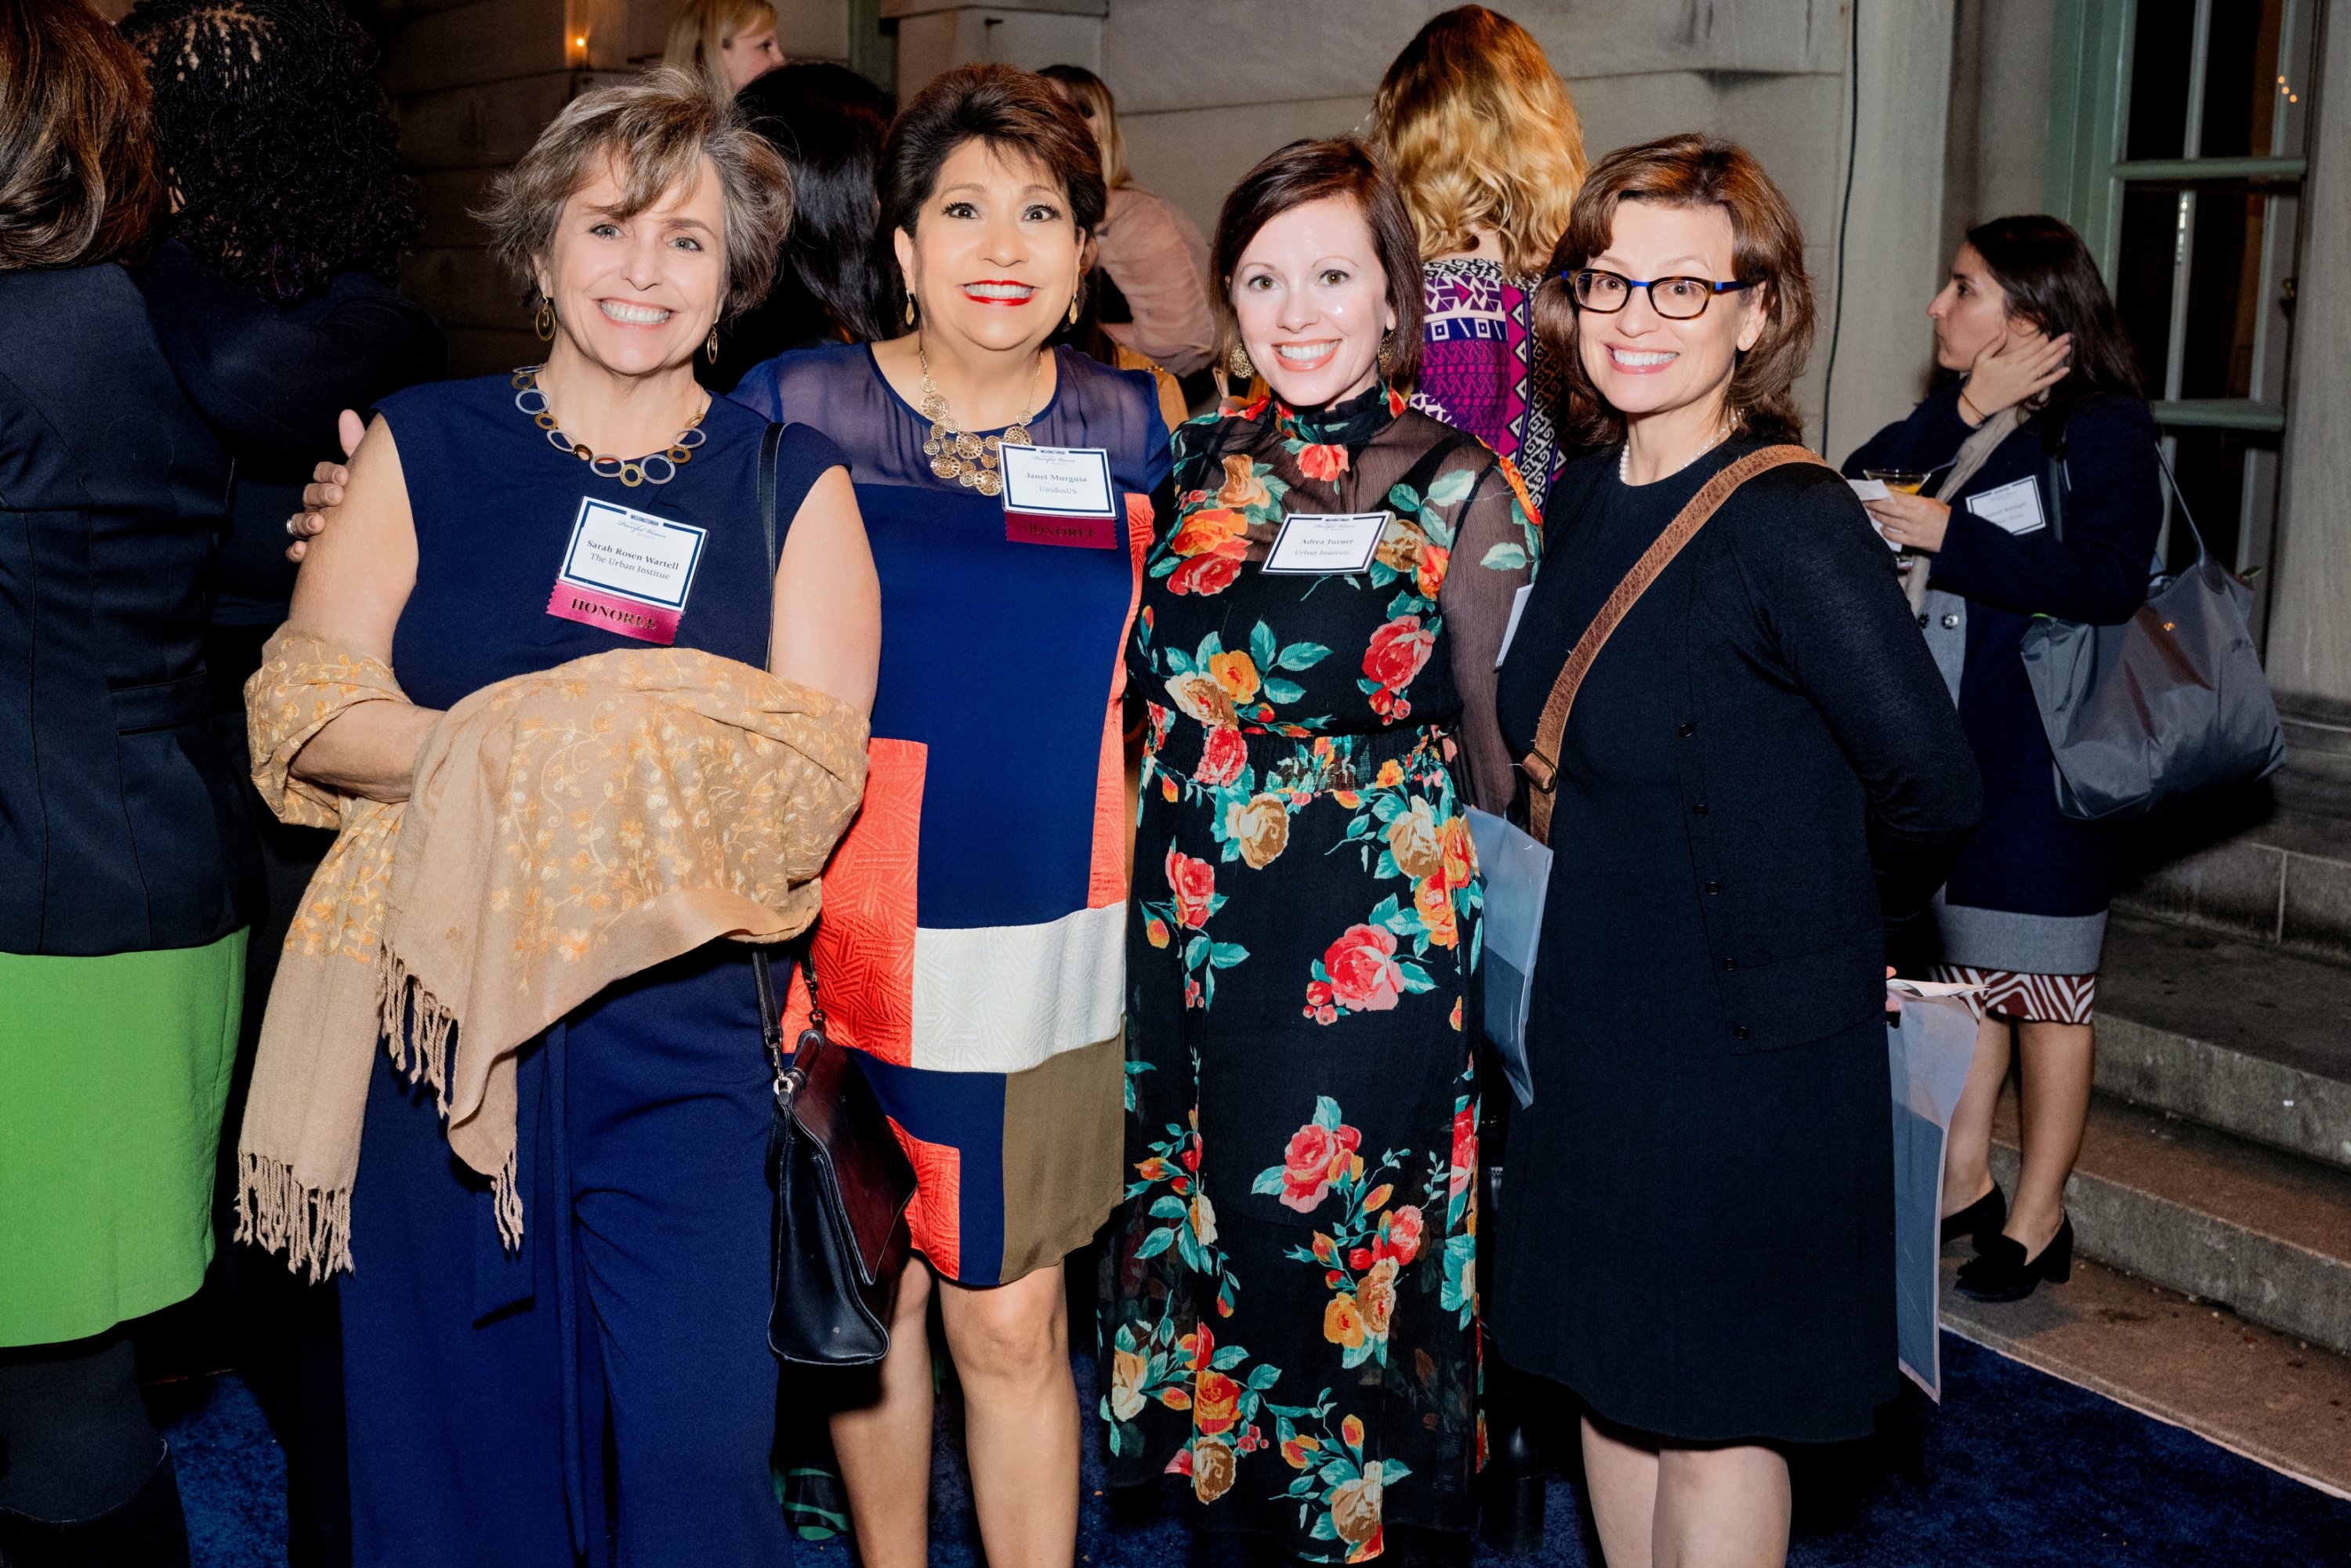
1059	495
1321	544
2014	507
1510	632
627	572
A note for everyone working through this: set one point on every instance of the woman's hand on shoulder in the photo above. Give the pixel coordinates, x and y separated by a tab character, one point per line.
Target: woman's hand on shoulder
356	577
324	493
2021	363
352	588
827	628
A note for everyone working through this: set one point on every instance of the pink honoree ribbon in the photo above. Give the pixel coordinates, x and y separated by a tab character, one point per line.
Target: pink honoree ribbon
614	613
1044	528
1061	495
626	572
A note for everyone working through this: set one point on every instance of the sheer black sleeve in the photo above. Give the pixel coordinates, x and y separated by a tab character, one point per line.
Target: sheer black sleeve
1496	540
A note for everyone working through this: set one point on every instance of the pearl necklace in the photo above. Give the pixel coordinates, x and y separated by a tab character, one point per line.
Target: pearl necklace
630	471
970	460
1624	457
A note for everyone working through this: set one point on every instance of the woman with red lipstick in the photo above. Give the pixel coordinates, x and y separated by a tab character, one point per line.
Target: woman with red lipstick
1697	1231
975	916
1289	1306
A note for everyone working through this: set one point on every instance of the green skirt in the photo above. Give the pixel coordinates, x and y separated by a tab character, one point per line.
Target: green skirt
113	1075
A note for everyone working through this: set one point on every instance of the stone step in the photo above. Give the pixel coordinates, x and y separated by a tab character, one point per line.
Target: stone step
2235	1034
2265	1233
2275	875
2275	1398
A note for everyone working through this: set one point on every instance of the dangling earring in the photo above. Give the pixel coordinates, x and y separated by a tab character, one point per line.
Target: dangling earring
910	310
543	323
1236	360
1387	354
711	347
1073	309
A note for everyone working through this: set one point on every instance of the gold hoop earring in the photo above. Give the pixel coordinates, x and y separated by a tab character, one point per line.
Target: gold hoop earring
1073	309
543	322
910	310
711	346
1236	360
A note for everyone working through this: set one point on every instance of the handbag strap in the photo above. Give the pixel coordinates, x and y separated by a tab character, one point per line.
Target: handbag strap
772	1011
1542	765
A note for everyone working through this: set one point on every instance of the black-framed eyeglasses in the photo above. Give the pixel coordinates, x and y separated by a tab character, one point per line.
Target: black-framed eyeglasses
1675	299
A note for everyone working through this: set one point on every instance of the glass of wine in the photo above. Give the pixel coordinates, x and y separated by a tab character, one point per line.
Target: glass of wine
1909	482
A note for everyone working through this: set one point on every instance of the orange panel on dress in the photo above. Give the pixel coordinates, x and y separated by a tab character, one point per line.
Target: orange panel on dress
865	936
936	1217
1106	874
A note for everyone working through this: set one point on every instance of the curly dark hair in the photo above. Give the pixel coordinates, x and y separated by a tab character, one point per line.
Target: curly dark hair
279	143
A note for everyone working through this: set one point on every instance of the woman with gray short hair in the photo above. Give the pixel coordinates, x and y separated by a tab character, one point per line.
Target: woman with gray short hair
560	1355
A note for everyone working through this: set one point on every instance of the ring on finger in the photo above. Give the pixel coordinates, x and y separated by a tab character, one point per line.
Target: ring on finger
293	530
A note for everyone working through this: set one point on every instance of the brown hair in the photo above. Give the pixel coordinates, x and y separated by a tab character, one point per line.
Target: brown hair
2051	281
658	132
1481	134
1691	170
1307	172
1091	96
78	179
1014	112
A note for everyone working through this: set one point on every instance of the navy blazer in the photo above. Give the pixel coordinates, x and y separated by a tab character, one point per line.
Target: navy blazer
2098	573
270	381
123	823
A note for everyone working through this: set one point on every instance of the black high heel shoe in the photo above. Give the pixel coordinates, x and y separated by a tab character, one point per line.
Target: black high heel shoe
2002	1273
1981	1219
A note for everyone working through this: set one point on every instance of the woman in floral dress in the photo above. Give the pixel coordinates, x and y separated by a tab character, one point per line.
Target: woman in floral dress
1290	1307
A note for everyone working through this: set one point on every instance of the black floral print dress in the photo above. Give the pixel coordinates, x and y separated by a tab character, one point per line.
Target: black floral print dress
1289	1302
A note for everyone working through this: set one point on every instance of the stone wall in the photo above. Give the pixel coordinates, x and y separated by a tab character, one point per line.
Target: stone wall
1207	87
474	82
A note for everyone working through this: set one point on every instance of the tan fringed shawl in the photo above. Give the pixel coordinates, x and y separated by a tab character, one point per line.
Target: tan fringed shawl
567	829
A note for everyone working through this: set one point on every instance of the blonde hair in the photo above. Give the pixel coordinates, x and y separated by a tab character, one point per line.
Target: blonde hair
704	28
1481	133
1090	96
658	132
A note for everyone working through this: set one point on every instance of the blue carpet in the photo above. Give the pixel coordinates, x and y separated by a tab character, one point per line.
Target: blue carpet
232	1473
2015	1468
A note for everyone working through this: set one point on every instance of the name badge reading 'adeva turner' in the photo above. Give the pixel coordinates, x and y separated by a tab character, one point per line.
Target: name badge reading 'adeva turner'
626	572
1061	495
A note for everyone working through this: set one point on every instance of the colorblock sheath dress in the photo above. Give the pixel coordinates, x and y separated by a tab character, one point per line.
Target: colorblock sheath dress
972	939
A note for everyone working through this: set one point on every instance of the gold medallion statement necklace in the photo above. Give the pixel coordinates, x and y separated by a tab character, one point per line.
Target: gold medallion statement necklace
531	398
969	460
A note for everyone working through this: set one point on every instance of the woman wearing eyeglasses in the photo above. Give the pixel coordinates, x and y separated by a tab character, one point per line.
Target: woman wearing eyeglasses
1695	1234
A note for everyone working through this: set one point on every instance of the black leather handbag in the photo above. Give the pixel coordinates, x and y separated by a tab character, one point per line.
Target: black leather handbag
842	1186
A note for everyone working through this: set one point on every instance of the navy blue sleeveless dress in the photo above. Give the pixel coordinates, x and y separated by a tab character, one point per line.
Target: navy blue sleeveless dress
607	1395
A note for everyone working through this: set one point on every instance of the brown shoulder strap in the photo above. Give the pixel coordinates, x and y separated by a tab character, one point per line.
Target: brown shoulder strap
1542	765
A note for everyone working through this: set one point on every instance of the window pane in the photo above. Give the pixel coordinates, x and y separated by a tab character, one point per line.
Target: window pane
2241	80
2210	467
2162	47
2150	237
2224	294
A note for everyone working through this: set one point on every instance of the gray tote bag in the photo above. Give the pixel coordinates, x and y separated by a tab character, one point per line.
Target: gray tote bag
2172	700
